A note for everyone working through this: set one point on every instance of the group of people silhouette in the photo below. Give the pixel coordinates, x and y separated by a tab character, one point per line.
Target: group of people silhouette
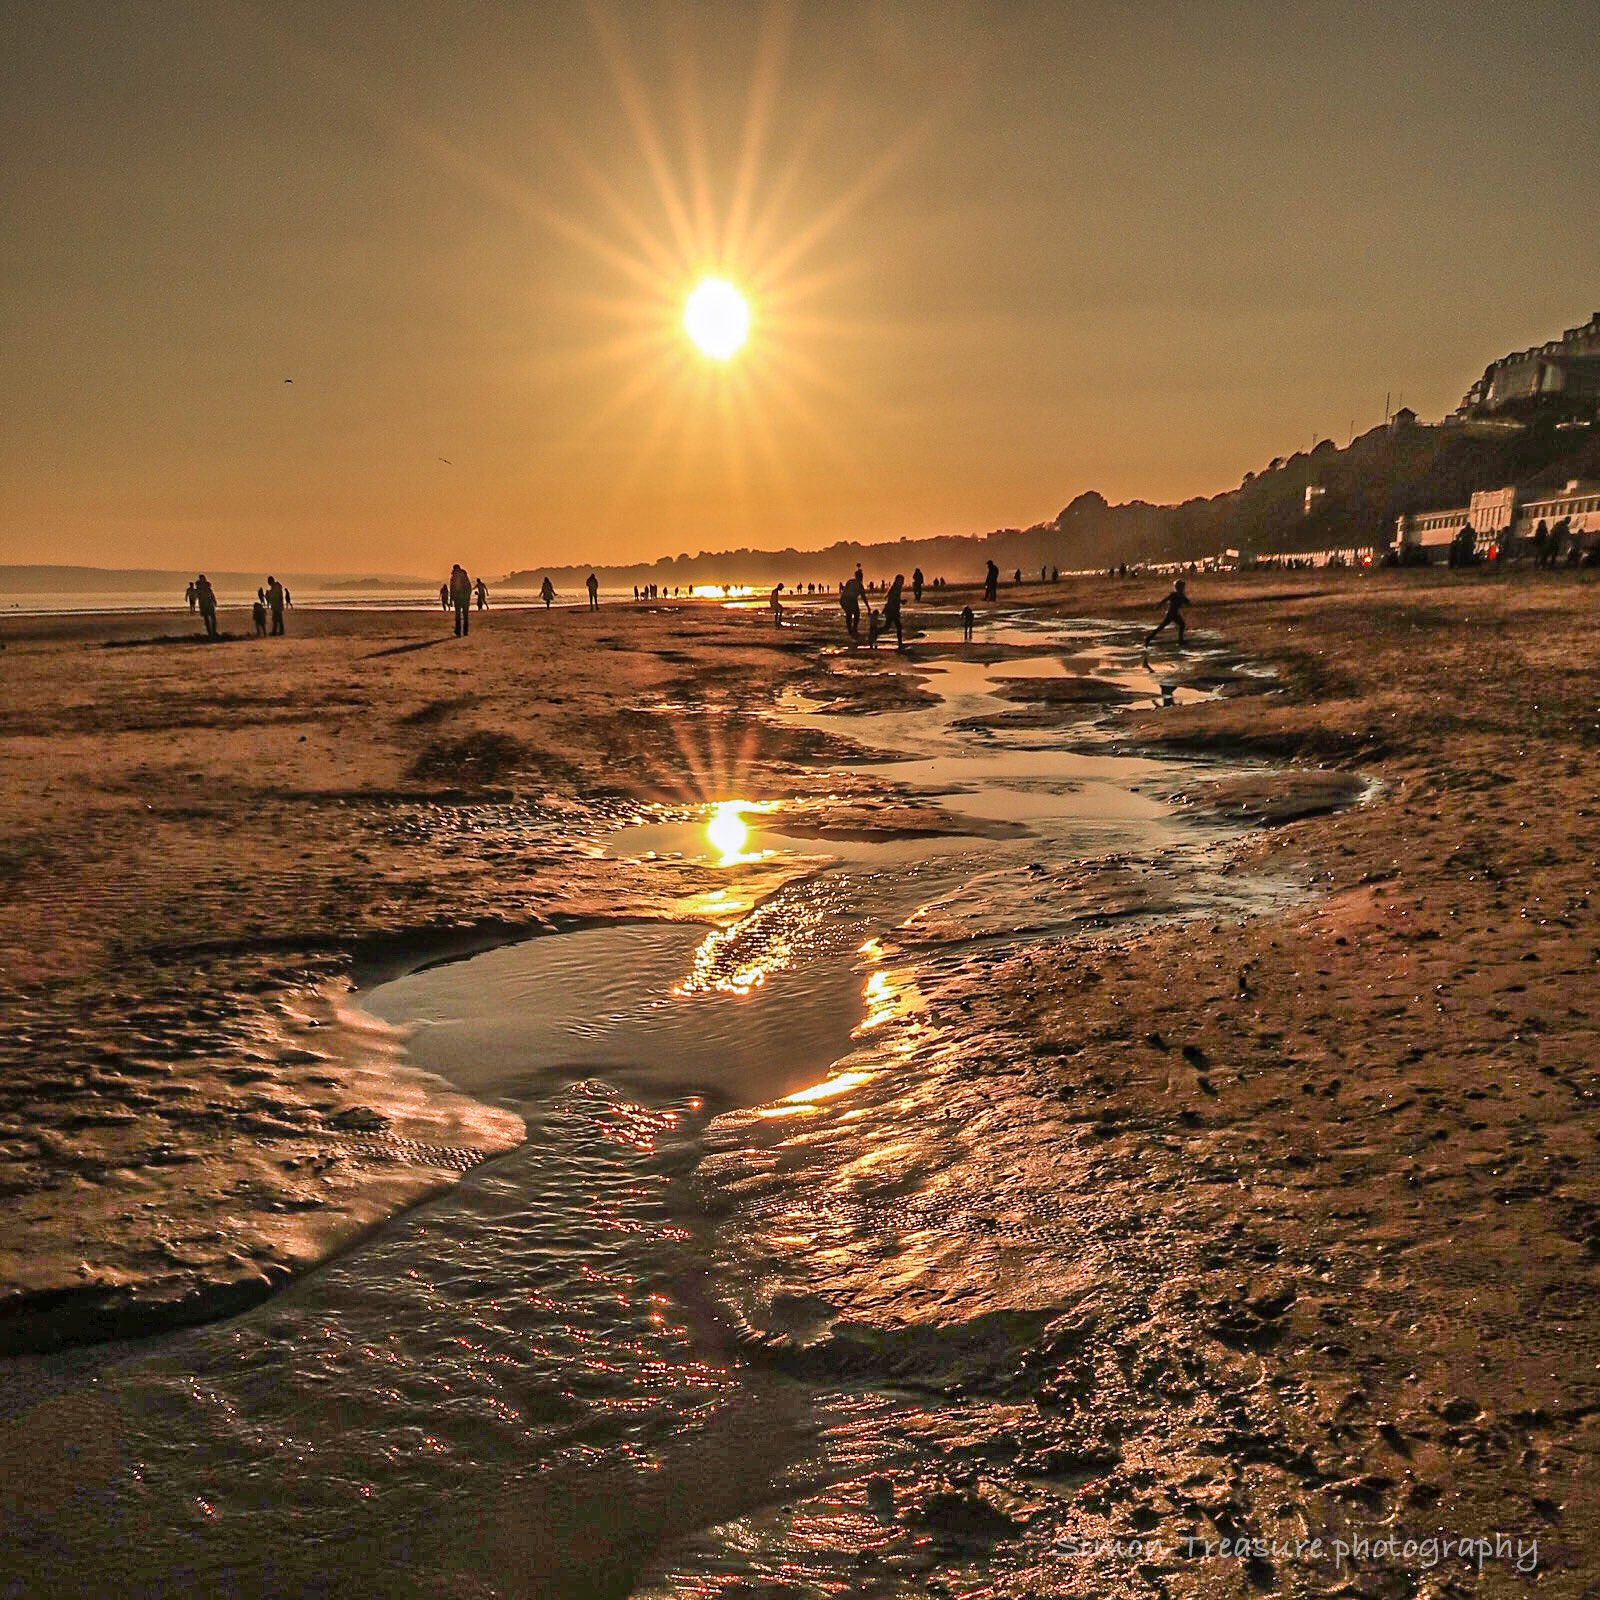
460	593
272	598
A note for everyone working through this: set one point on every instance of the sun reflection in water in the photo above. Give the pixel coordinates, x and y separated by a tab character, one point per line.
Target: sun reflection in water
738	960
727	830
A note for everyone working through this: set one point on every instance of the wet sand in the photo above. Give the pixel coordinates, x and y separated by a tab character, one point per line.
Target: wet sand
201	847
1263	1224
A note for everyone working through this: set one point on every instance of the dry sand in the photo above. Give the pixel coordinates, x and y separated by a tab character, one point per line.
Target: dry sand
1323	1183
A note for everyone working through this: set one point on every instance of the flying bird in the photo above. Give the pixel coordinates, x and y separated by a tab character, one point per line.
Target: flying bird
447	461
288	380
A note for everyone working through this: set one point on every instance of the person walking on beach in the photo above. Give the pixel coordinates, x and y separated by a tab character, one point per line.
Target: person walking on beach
967	620
991	582
206	598
461	599
480	592
776	602
547	591
916	584
1175	602
891	610
592	584
277	599
444	596
258	613
191	594
850	604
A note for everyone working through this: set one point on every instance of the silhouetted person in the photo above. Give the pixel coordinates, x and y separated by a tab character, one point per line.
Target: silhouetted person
916	583
258	613
191	595
461	599
1016	577
592	584
480	591
991	582
277	599
444	596
891	610
850	604
966	624
206	598
547	592
776	602
1175	602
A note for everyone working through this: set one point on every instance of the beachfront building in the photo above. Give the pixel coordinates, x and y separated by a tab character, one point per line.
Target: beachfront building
1501	520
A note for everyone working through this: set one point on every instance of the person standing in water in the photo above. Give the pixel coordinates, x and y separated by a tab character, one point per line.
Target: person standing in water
776	602
547	592
592	584
967	620
191	594
461	599
991	582
206	598
1175	602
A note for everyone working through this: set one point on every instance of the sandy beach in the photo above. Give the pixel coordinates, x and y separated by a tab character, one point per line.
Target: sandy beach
1197	1216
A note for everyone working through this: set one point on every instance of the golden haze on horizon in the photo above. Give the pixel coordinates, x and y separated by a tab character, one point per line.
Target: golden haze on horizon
995	256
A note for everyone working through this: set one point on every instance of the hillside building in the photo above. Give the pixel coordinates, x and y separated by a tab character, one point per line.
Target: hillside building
1564	372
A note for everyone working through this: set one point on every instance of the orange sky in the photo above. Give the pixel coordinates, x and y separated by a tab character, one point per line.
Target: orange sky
996	254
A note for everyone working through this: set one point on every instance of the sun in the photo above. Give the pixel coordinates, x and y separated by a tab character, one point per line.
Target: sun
717	318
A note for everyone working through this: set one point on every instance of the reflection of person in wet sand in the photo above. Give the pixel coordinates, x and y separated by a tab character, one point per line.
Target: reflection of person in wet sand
547	592
1175	602
966	624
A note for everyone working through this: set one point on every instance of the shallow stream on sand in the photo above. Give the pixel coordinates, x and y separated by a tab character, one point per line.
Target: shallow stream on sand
521	1387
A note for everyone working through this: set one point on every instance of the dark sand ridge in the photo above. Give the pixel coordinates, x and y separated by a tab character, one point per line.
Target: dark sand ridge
1437	1354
